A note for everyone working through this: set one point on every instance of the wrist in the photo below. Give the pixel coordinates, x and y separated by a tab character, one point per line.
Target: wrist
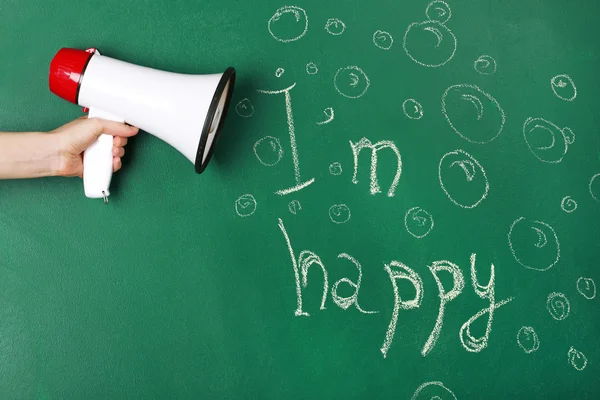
29	155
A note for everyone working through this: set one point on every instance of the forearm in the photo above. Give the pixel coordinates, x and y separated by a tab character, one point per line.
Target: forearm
28	155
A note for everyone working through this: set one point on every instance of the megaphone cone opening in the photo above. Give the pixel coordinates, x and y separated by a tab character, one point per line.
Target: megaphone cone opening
213	124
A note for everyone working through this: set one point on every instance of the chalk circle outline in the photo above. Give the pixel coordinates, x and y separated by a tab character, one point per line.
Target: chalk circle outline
472	159
335	208
416	104
512	249
294	206
437	384
413	212
488	59
279	72
568	205
581	291
572	354
335	169
491	98
310	67
566	309
353	68
245	198
447	11
379	34
529	331
286	9
334	21
553	85
566	133
436	27
597	176
279	150
238	106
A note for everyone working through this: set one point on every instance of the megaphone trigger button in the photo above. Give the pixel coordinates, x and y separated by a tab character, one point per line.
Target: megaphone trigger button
85	109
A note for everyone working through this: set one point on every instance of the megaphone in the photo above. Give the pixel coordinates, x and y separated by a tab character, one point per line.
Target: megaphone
183	110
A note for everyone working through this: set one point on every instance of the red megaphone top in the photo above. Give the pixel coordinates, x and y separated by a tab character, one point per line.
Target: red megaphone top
66	71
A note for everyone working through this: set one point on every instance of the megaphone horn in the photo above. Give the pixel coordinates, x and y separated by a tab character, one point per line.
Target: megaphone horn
184	110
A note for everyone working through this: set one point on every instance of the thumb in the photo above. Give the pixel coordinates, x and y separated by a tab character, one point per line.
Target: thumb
89	129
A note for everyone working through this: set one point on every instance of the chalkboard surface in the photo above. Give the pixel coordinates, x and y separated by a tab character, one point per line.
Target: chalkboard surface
404	203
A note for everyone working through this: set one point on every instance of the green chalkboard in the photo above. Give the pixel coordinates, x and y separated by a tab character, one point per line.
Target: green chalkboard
404	203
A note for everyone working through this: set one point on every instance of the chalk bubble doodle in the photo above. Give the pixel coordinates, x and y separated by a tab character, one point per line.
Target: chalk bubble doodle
418	222
412	109
485	65
586	287
311	68
289	23
351	82
547	142
335	169
577	359
294	206
279	72
245	205
430	43
329	115
472	113
339	213
595	187
334	26
433	391
244	108
383	40
533	244
268	150
563	87
463	179
528	340
568	205
558	306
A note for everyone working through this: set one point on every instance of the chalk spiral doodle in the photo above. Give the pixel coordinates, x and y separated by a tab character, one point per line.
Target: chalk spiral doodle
586	287
577	359
412	109
534	244
485	65
546	140
311	68
463	179
563	87
294	206
528	340
335	26
245	205
418	222
244	108
558	306
568	205
268	150
595	187
433	391
383	40
335	169
279	72
351	82
289	23
339	213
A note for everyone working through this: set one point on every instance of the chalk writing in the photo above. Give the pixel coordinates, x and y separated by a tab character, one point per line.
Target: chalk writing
311	68
546	141
533	244
397	270
329	114
412	109
290	121
294	206
469	342
586	287
245	205
563	87
528	340
383	40
335	169
463	179
334	26
345	302
289	23
351	82
366	143
418	222
568	205
485	65
244	108
577	359
268	150
433	391
472	113
441	41
594	187
339	213
558	306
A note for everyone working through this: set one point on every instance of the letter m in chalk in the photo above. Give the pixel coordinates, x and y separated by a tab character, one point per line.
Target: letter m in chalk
366	143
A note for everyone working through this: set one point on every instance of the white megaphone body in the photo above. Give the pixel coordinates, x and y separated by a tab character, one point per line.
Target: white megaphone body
184	110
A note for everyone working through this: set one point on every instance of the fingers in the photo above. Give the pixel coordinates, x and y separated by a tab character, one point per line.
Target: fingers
116	164
112	128
118	151
119	141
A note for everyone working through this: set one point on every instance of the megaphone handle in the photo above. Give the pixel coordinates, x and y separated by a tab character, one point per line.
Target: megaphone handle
98	161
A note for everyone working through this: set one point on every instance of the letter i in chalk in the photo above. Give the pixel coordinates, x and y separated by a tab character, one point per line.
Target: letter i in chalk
185	111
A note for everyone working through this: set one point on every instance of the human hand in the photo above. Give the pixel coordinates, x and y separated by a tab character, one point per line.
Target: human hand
76	136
